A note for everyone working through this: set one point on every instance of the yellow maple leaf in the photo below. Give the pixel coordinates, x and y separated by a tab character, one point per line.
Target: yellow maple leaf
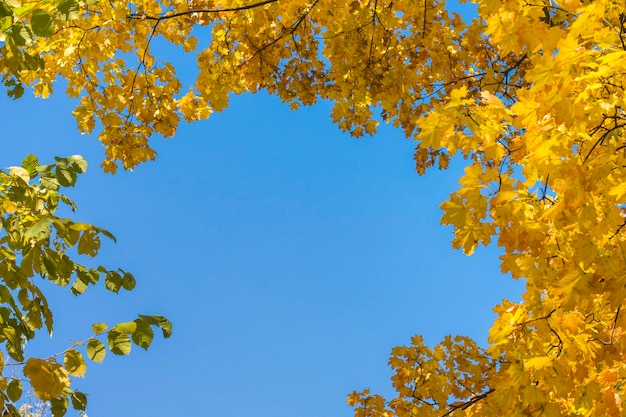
538	363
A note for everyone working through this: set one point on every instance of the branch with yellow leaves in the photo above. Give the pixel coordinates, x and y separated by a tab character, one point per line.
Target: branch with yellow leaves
142	16
467	404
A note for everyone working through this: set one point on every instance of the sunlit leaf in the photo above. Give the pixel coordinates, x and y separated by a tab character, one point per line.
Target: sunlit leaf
47	378
119	343
96	350
74	363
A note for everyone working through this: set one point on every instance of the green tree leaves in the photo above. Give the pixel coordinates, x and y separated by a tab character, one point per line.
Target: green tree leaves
14	390
35	241
119	343
42	23
139	331
143	334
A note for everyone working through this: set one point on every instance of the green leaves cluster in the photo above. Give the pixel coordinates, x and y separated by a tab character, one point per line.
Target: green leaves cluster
35	242
51	380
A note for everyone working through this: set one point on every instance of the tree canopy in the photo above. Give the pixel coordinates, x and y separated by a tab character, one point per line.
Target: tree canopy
530	94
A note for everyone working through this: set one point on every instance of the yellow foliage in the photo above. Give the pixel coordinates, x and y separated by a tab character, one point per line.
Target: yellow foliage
47	377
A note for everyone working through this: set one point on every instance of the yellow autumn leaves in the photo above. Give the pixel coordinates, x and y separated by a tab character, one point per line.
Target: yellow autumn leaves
48	377
545	149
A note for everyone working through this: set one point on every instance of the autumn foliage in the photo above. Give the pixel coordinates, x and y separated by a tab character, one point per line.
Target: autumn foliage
530	93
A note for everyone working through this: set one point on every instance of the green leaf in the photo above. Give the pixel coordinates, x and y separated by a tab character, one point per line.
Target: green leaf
11	410
79	286
78	163
68	201
99	327
89	243
30	164
166	326
74	363
20	35
113	281
59	406
119	343
128	281
49	182
105	232
14	390
42	23
13	343
79	226
79	401
161	322
68	10
6	11
143	334
46	169
16	91
71	236
5	22
96	350
32	62
90	276
39	230
66	176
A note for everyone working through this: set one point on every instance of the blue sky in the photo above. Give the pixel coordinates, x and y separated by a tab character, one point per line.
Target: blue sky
290	258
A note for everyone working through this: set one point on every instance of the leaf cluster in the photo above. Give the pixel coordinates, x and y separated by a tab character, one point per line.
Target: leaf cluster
35	242
21	22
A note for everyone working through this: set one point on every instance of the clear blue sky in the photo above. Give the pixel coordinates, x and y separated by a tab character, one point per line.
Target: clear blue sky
291	258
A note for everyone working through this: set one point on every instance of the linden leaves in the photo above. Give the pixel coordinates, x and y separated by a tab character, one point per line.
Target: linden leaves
35	242
51	380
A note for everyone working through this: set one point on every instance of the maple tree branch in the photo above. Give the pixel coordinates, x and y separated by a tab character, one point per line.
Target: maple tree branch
141	16
622	26
544	191
369	58
420	399
559	346
467	404
610	342
616	118
288	31
142	63
546	317
424	22
464	386
504	82
619	229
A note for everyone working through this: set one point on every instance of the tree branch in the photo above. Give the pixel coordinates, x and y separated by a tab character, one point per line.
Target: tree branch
141	16
467	404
